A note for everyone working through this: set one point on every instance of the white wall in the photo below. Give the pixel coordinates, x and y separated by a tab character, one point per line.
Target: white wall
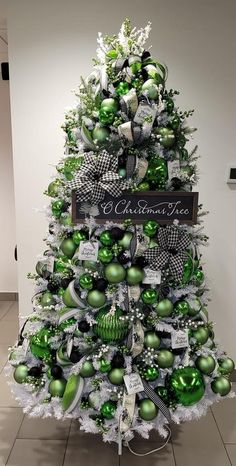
8	267
51	45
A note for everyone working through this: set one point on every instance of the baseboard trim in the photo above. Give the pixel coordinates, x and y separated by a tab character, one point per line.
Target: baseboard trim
8	296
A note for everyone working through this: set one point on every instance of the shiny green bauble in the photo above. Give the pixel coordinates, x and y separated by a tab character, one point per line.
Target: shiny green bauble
152	340
106	116
157	172
163	393
226	366
105	255
187	384
68	247
115	273
125	241
151	373
86	281
40	343
150	228
187	270
104	365
116	376
91	265
47	299
175	122
108	409
122	88
58	207
106	238
164	308
147	410
87	369
57	387
135	275
100	134
167	137
198	277
195	308
53	188
182	307
111	104
110	327
144	186
96	298
201	335
62	265
79	235
221	385
150	89
165	359
149	296
21	373
206	364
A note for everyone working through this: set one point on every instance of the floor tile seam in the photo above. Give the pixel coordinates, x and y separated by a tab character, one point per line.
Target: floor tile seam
66	445
15	438
8	309
220	434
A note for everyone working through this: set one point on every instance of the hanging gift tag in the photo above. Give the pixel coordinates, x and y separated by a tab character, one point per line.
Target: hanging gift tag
133	383
88	250
145	113
152	277
134	292
173	169
141	168
50	264
179	339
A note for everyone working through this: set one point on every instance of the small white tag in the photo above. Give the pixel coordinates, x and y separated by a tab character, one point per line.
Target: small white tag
50	264
88	250
69	347
134	292
173	169
133	383
145	113
179	339
152	277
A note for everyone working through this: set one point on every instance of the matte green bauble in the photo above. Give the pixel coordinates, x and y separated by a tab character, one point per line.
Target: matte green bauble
157	172
104	365
86	281
20	373
206	364
151	373
106	238
110	327
226	366
165	359
122	172
116	376
96	298
53	188
195	307
58	207
144	186
100	134
110	103
149	296
125	241
115	273
108	409
57	387
167	137
201	335
40	343
187	270
198	277
87	369
135	275
187	384
47	299
150	228
106	116
221	385
147	410
122	88
182	307
79	235
68	299
164	308
105	255
150	89
68	247
152	340
90	265
175	122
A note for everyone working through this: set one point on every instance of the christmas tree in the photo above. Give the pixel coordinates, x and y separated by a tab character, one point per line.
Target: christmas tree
119	337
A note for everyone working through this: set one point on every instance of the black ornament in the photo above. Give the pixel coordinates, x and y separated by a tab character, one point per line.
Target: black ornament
35	371
84	326
116	233
52	286
164	334
56	372
123	258
101	284
122	161
176	183
94	338
118	360
177	351
145	55
140	261
65	282
75	356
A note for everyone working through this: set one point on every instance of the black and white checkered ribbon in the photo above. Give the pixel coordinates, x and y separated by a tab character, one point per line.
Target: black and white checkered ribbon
156	400
171	251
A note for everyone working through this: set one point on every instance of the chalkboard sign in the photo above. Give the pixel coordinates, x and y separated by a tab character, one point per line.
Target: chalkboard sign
164	207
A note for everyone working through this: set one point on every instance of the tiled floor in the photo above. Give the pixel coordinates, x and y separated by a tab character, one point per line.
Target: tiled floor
36	442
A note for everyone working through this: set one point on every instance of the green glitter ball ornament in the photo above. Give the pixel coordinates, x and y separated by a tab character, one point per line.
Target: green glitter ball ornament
122	88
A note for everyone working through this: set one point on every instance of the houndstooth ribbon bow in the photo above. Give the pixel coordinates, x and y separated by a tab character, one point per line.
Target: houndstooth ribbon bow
171	251
97	176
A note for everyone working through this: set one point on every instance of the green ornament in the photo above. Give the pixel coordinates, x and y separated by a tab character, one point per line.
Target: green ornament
163	393
87	369
122	88
221	385
151	373
112	54
54	187
188	270
182	307
150	89
150	228
175	122
198	277
68	247
66	220
20	373
108	409
68	298
40	343
147	410
169	104
58	207
135	275
152	340
100	134
86	281
201	335
106	116
187	170
72	393
125	241
137	83
47	299
71	165
105	255
57	387
195	308
226	366
111	104
122	172
206	364
167	137
62	265
157	172
67	323
165	359
144	186
187	384
91	265
149	296
79	235
105	365
164	308
115	273
106	238
96	298
110	327
116	376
